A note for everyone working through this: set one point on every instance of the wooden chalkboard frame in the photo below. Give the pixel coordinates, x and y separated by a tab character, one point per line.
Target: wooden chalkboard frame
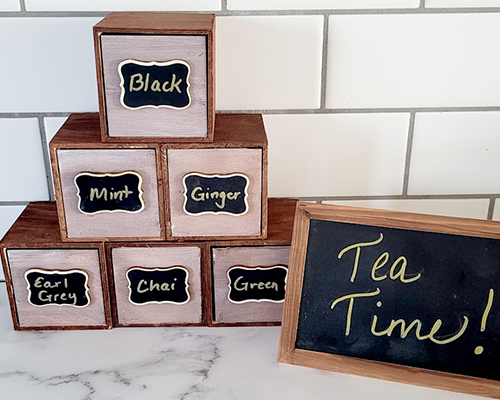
289	354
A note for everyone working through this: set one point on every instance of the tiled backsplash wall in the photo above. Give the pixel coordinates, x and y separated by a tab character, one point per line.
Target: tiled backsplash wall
380	103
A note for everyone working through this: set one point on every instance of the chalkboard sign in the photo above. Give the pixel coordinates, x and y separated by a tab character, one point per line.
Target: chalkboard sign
395	288
215	194
257	284
109	192
55	287
154	84
158	285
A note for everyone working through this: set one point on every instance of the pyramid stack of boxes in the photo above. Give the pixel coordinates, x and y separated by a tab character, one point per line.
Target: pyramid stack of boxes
161	215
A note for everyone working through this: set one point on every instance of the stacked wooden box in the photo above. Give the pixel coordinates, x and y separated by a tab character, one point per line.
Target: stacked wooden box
162	212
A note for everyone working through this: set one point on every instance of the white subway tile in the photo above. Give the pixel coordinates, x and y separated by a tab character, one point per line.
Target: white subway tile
123	5
48	65
496	211
268	62
465	208
10	5
438	60
455	153
8	215
21	161
52	125
461	3
318	4
336	154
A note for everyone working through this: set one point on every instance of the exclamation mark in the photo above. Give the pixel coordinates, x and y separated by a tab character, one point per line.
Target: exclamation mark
479	349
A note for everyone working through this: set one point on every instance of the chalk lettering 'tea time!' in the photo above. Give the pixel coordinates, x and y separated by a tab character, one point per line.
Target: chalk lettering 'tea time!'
396	272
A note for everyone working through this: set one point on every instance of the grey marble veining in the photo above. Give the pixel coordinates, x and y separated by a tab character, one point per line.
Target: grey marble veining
171	363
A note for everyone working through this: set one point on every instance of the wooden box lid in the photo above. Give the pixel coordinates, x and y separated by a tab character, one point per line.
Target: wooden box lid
140	22
232	130
37	226
82	130
281	216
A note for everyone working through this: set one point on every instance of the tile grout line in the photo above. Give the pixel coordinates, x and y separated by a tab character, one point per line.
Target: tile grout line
224	12
13	203
409	148
373	110
46	157
223	9
294	111
22	4
324	62
464	196
491	208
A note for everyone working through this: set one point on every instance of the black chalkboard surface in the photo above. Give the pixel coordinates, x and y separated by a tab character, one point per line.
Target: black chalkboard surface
55	287
213	194
154	84
398	289
109	192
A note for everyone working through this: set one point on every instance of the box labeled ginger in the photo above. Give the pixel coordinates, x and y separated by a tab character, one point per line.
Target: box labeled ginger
218	190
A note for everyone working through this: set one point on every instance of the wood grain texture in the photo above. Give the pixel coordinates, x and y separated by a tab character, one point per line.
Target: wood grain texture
223	258
155	122
61	259
215	161
161	24
281	217
232	130
280	225
143	22
34	242
116	225
287	352
82	131
240	145
156	255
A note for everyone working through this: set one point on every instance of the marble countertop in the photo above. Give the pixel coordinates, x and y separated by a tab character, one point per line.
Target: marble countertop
172	363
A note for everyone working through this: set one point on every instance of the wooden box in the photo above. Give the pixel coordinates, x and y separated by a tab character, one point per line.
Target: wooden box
51	284
248	277
218	190
155	74
105	191
157	284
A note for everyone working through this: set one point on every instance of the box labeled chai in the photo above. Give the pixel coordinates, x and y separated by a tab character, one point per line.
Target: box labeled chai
157	284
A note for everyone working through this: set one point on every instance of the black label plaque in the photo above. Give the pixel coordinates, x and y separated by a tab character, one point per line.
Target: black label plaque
109	192
154	84
68	288
214	194
158	285
258	284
